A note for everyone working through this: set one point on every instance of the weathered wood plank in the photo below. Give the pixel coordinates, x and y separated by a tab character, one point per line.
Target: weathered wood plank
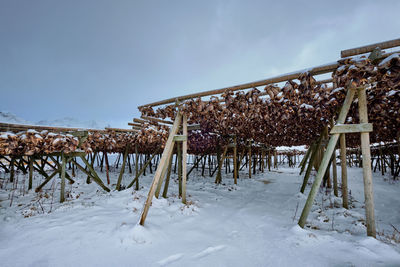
164	157
352	128
184	158
180	138
366	158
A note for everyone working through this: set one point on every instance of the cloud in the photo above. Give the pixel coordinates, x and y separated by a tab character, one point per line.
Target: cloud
101	59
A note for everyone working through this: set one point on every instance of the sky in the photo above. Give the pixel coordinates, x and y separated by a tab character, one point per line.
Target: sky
101	59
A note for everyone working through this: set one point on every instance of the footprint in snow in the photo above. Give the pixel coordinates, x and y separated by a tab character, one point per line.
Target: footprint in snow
170	259
209	251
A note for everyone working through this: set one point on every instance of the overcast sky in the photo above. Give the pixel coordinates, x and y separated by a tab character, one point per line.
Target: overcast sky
101	59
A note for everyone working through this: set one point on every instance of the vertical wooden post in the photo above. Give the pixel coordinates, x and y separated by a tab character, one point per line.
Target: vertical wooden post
12	169
129	164
235	167
249	155
179	148
62	192
343	164
269	159
262	160
165	192
334	173
92	160
73	170
107	167
164	170
136	167
31	158
275	159
121	173
366	158
218	178
184	158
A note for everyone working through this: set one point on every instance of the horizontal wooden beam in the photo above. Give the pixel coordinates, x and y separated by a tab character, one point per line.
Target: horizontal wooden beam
352	128
121	130
156	120
369	48
291	76
324	81
193	127
180	138
134	124
138	120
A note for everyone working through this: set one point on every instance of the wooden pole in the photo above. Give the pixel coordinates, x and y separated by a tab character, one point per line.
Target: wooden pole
31	158
136	166
164	170
262	160
184	158
314	152
95	177
165	192
136	179
235	165
12	169
179	148
249	155
62	193
303	162
218	178
195	164
343	164
369	48
121	173
269	159
107	167
366	158
334	173
165	156
48	178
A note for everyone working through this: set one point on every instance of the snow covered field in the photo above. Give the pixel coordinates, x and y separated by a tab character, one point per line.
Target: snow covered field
251	224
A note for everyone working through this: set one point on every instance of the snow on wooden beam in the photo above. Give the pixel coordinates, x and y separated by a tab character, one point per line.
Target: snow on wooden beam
156	120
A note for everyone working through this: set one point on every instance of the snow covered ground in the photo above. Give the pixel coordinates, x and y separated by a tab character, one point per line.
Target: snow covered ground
251	224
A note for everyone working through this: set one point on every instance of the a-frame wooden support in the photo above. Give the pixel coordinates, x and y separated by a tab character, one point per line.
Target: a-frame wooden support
337	130
165	158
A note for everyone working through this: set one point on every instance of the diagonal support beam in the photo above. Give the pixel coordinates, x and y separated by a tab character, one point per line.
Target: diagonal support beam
164	159
326	158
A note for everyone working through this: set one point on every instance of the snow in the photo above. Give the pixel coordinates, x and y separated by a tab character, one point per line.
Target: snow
389	58
253	223
337	90
5	135
392	93
306	106
287	148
